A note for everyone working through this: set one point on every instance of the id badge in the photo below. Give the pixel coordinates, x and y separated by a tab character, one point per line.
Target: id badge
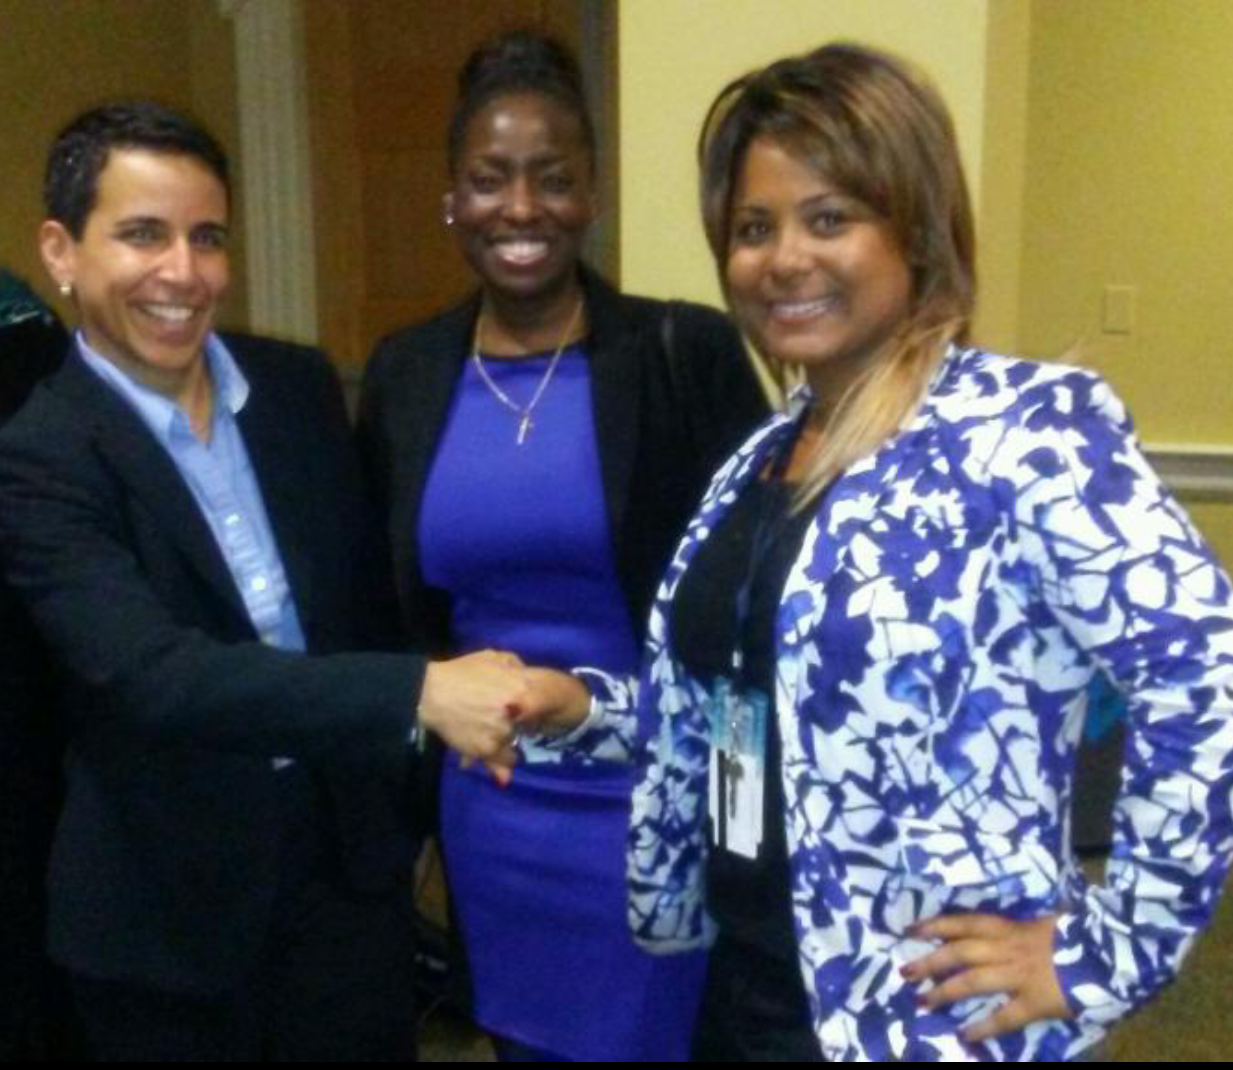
738	768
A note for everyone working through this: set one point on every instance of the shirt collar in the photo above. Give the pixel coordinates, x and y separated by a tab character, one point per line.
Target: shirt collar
230	386
159	411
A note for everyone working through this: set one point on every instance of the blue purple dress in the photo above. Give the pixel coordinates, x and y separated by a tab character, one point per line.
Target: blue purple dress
518	537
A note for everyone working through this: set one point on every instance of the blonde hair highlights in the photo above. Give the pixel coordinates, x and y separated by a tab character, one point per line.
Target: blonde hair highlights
879	131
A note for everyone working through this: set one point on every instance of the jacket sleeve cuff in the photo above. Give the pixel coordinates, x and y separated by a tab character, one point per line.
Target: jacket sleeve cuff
1108	967
607	732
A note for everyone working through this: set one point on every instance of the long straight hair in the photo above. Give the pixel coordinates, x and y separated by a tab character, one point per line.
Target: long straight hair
877	130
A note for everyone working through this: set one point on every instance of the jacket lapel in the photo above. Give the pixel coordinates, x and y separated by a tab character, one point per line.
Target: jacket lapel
616	392
864	497
873	489
422	401
279	459
148	473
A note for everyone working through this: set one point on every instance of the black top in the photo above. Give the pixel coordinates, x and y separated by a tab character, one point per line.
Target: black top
31	348
749	899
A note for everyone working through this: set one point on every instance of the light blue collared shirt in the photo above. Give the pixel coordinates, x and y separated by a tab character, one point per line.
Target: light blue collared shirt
222	481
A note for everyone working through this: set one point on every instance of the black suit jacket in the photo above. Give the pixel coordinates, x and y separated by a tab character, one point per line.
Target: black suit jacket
31	746
164	866
673	394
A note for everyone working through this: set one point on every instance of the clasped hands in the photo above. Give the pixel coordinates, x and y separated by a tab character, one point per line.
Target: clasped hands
478	703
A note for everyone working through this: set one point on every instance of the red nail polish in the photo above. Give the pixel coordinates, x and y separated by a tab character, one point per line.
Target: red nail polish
513	711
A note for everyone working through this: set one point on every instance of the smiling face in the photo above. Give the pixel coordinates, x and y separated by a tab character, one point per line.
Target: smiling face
523	196
813	276
150	267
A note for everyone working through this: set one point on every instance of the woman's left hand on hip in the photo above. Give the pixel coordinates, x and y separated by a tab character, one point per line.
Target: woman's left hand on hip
981	954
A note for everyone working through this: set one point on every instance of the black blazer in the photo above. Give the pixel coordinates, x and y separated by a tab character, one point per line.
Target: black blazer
163	869
673	394
31	748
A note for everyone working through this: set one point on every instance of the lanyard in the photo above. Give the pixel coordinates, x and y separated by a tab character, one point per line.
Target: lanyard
739	711
770	526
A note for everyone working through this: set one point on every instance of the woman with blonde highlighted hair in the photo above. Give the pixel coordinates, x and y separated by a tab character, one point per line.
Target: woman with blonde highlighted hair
868	662
885	139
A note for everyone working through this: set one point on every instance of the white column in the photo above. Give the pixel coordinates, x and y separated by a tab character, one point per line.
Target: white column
275	166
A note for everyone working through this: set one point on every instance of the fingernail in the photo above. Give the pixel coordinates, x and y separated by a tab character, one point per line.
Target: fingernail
513	711
907	972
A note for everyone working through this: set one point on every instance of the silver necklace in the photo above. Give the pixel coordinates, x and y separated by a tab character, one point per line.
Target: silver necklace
525	422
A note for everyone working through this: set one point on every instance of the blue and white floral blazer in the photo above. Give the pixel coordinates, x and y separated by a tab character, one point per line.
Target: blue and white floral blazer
952	600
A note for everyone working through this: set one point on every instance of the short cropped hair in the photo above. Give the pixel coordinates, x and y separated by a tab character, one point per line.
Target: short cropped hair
81	150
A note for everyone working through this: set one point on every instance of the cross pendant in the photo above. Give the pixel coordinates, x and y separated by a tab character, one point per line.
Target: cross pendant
524	427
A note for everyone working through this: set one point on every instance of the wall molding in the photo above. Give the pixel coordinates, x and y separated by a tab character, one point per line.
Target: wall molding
275	166
1195	471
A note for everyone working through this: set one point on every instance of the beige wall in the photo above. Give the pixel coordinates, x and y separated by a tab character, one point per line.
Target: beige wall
59	57
999	221
1128	182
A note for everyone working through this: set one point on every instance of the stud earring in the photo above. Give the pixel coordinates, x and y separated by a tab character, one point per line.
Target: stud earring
449	219
66	289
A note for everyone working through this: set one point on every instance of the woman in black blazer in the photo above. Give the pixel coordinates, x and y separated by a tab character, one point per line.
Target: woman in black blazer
537	451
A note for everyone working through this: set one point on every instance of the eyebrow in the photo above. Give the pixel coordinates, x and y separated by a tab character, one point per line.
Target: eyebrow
141	221
159	221
541	160
815	201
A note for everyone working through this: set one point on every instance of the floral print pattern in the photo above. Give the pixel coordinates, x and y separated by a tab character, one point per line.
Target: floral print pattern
956	594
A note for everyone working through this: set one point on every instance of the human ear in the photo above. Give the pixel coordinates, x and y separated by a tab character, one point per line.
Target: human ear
58	249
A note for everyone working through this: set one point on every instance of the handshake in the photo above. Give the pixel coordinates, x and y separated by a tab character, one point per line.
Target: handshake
479	702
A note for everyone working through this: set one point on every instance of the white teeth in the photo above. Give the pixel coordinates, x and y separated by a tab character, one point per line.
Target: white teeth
522	252
801	310
169	313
